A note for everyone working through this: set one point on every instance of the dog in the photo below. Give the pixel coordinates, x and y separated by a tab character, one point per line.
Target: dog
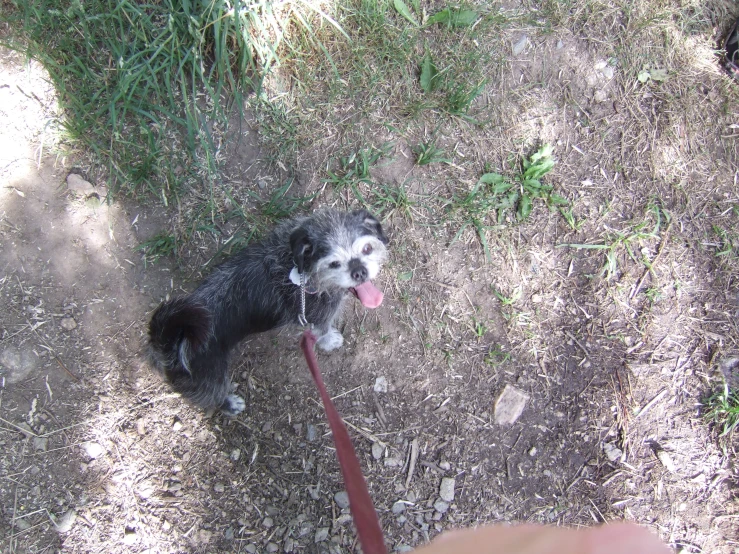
258	289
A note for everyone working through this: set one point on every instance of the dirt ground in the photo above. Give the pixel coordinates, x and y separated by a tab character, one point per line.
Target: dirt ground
98	455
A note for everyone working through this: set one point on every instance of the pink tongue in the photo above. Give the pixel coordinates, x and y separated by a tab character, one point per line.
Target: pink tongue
369	295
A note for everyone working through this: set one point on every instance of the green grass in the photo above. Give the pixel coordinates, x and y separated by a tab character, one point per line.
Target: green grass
722	410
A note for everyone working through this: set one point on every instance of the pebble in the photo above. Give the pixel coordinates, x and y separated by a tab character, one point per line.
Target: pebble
235	454
39	443
509	405
377	450
251	548
176	426
398	507
393	462
129	537
68	323
93	449
321	534
380	385
342	499
268	522
532	452
311	432
271	547
666	460
520	45
446	490
65	522
613	452
17	364
441	506
218	487
229	534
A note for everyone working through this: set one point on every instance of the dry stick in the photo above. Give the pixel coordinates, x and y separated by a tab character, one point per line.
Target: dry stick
412	465
582	347
650	268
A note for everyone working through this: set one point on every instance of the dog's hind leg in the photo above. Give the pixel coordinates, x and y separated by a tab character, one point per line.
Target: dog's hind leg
329	339
209	387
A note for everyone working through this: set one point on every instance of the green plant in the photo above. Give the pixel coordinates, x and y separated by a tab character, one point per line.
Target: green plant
499	195
496	356
615	241
508	300
722	409
428	153
157	247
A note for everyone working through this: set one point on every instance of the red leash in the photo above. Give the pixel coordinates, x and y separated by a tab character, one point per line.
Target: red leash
360	503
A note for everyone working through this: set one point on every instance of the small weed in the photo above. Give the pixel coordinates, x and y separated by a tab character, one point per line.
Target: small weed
388	200
428	153
496	194
722	409
355	168
508	300
616	241
158	247
496	356
479	328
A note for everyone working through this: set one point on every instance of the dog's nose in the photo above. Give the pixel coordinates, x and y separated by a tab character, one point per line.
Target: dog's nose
357	271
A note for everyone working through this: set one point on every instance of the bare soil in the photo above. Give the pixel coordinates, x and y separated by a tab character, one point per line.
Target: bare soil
98	455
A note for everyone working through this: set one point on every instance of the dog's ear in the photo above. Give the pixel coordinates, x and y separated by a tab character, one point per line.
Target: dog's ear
371	224
301	248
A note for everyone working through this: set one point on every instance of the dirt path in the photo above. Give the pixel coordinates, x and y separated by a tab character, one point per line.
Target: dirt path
92	441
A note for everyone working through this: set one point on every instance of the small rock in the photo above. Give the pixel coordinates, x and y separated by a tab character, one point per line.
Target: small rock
64	523
536	298
520	45
219	488
235	454
39	443
130	537
271	547
311	433
441	506
321	534
613	452
380	385
251	548
398	507
600	96
377	450
141	426
509	405
229	534
393	462
22	524
445	465
268	522
177	426
17	363
78	185
446	490
560	44
267	427
532	452
666	460
262	184
68	323
342	499
608	72
93	449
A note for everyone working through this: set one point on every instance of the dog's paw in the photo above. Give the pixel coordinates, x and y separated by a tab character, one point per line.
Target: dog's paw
233	405
330	341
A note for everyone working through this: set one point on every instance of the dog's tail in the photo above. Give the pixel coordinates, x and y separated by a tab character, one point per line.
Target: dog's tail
177	329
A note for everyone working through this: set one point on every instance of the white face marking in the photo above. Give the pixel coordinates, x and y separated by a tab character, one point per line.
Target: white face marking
333	269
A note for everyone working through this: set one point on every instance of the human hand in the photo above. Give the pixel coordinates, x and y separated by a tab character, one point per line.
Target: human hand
615	538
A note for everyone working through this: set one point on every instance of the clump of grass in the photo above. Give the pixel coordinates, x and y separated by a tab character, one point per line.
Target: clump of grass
428	153
722	410
157	247
138	81
503	197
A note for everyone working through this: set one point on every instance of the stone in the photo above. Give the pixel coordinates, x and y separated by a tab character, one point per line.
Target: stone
93	449
321	534
398	507
271	547
613	452
520	45
509	405
65	522
311	433
78	185
39	443
219	488
441	506
342	499
68	323
377	450
446	489
268	522
17	364
380	385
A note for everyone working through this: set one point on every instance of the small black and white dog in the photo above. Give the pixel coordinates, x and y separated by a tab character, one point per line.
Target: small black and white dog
258	289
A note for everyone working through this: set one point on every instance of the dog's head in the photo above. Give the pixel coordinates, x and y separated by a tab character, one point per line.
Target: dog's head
340	250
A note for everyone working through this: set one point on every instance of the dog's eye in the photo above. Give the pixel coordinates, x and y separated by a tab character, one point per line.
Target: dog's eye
334	265
367	250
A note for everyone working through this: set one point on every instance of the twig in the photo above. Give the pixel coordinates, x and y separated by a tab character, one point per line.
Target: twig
582	347
412	465
53	353
650	267
651	403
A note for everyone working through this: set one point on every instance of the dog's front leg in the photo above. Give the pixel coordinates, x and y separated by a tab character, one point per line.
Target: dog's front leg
329	338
